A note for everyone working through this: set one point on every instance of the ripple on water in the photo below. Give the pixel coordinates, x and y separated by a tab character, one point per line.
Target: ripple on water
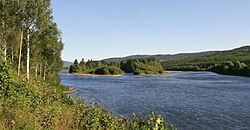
192	100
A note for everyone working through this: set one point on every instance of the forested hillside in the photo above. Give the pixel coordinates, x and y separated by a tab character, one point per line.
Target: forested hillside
161	57
241	54
232	60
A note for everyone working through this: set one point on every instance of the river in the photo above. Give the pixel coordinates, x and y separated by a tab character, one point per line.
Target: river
188	100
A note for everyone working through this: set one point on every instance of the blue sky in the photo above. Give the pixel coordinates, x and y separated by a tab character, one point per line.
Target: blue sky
97	29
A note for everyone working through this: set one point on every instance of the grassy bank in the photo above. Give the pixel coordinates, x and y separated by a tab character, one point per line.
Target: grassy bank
39	105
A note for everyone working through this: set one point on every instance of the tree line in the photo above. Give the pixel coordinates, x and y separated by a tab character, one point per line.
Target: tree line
95	67
29	38
139	66
142	66
231	68
218	62
222	67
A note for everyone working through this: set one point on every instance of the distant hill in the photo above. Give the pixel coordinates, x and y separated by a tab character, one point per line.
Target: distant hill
211	55
241	54
66	63
162	57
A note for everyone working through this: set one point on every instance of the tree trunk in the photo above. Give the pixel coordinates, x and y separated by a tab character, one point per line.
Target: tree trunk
28	53
5	49
41	70
12	55
4	41
20	53
44	73
36	71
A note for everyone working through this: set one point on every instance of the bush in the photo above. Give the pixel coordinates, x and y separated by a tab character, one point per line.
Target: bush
231	68
109	70
142	66
103	70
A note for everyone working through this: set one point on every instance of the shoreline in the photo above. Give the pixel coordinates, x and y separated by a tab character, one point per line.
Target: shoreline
119	75
164	73
71	90
98	75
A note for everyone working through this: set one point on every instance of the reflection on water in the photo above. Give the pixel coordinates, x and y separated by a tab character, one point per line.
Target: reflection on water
189	100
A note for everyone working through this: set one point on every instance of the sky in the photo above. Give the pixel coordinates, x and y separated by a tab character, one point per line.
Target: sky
98	29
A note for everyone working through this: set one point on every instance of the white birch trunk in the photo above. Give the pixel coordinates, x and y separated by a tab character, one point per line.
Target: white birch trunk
28	54
20	53
5	49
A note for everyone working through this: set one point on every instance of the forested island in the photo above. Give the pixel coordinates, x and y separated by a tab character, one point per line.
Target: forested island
95	67
31	95
139	66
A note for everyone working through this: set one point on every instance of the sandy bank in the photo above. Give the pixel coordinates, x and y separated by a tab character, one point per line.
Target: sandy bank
71	90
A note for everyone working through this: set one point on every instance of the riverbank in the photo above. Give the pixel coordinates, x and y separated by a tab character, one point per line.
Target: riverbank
242	72
119	75
165	72
97	75
71	90
185	91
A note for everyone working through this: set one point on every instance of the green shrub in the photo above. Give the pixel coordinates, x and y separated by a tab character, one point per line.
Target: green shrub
103	70
142	66
231	68
109	70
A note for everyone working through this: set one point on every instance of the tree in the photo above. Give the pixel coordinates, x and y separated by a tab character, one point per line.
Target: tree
142	66
33	11
75	62
7	26
29	23
82	65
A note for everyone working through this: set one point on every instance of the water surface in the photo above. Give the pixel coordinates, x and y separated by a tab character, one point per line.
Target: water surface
189	100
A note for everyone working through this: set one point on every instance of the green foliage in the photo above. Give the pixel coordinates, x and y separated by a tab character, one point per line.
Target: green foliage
231	68
142	66
95	67
162	57
73	68
109	70
6	85
215	61
28	25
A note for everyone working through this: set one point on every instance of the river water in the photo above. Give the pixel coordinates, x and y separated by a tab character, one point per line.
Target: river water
188	100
